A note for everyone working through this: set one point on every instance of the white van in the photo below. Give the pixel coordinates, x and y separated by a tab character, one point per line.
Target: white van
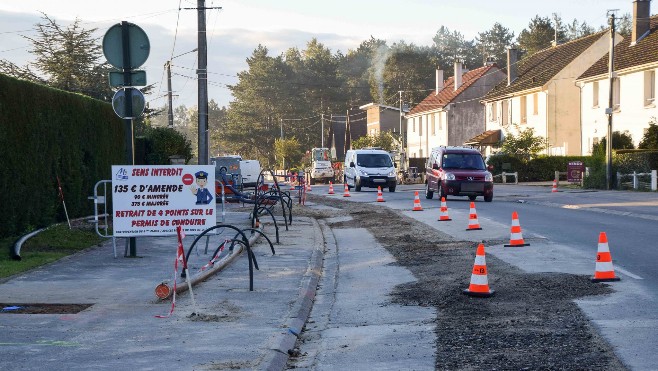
369	168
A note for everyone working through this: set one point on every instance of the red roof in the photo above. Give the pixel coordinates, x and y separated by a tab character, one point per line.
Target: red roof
627	56
448	93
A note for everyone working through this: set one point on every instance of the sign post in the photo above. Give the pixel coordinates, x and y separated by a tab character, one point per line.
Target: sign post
127	47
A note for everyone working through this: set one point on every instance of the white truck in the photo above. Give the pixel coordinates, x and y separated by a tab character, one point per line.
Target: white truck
321	169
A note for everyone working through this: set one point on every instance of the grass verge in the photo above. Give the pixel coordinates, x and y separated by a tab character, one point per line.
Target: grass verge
46	247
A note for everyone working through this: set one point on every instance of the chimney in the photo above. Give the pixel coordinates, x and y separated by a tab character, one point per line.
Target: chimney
439	81
511	65
641	14
490	61
458	73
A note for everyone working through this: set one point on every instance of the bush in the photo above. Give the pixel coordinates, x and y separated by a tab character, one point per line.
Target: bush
48	133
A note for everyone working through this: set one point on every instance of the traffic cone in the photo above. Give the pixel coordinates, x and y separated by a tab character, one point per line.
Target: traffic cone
417	206
331	188
479	286
604	271
347	191
380	196
473	224
554	186
444	211
516	237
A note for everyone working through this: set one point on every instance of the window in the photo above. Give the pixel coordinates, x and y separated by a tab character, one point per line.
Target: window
616	91
649	87
535	104
434	123
493	111
524	105
505	112
595	94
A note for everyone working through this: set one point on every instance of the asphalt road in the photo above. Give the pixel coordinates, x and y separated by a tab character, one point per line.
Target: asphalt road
563	230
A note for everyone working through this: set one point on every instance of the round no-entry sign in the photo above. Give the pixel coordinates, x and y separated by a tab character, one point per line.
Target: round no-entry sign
119	103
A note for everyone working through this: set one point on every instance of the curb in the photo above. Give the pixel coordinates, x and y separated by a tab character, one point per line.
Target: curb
301	308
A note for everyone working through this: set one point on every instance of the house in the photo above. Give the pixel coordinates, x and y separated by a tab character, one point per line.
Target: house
634	84
540	93
452	113
381	118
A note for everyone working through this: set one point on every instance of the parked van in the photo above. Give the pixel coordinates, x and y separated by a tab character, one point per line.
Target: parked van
369	168
458	171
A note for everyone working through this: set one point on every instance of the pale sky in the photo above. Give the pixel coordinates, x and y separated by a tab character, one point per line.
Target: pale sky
237	29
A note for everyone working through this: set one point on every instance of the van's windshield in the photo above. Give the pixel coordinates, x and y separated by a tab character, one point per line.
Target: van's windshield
373	160
469	161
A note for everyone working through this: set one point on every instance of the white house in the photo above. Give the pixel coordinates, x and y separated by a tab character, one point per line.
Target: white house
540	93
452	113
634	87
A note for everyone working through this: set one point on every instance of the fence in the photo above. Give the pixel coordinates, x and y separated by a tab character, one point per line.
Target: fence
503	177
638	181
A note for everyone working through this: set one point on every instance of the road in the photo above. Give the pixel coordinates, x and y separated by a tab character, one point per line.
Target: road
562	229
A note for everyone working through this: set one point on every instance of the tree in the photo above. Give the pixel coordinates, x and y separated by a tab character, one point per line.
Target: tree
355	69
494	43
619	141
165	142
452	45
539	35
524	146
288	152
576	30
408	68
650	138
383	140
68	58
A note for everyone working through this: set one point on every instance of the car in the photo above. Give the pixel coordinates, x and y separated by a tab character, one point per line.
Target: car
457	171
369	168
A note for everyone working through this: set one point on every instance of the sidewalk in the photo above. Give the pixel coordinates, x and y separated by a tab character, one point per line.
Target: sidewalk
236	328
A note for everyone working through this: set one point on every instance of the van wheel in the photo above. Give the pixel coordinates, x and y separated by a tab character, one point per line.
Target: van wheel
311	181
488	198
391	189
428	192
472	198
357	185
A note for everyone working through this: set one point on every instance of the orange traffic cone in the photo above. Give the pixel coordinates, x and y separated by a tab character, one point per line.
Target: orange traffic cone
331	189
380	196
554	186
479	286
604	271
473	224
417	206
347	191
516	237
444	211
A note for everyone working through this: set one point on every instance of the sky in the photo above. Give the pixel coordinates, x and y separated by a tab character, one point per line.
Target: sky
235	30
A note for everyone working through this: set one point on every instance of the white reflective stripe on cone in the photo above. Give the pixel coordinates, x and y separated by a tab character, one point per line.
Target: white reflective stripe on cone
479	279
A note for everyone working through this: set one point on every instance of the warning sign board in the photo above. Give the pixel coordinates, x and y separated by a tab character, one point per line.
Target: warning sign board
154	200
575	170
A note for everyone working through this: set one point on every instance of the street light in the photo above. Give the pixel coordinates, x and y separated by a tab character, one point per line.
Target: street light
170	112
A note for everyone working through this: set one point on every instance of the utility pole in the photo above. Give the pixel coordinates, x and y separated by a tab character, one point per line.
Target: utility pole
611	76
170	111
202	76
401	137
202	73
321	123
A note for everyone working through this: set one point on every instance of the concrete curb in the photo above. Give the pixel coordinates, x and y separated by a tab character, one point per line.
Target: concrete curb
301	308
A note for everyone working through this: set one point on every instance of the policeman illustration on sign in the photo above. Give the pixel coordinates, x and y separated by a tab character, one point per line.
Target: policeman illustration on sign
203	196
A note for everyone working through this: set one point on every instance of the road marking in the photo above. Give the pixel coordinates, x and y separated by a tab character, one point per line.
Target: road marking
629	274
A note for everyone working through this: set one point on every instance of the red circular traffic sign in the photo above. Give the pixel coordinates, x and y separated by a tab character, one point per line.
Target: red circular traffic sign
188	179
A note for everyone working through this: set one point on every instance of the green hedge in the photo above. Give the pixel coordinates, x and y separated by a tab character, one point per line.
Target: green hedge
47	133
542	168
